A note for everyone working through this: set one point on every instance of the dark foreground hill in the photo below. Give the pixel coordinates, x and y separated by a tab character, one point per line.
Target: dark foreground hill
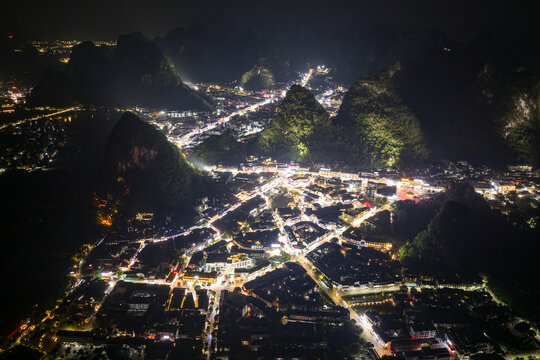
420	97
142	170
134	73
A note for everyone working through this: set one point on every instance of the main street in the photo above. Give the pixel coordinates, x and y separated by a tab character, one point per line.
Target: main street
367	332
186	139
332	293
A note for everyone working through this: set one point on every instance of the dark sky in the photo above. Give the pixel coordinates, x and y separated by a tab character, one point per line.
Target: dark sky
76	19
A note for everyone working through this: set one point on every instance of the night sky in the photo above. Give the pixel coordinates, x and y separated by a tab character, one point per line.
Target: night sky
460	19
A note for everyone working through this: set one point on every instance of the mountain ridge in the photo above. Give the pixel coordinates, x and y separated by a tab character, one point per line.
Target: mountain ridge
135	73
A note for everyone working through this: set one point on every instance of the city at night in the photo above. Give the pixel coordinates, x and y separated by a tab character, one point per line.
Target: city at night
234	179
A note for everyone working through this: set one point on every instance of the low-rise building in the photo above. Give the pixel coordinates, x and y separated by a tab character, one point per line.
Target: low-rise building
220	262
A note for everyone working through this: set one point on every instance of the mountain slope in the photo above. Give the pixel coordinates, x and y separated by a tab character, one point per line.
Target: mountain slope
301	129
224	149
142	169
135	73
467	238
205	56
257	78
473	110
376	127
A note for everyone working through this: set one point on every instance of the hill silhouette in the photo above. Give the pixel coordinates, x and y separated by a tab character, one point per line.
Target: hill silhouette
135	73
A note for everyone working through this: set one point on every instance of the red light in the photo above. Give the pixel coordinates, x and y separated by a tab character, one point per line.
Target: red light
10	36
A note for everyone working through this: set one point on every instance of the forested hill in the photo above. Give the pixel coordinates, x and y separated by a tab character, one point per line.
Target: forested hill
406	116
301	129
142	170
467	239
373	128
473	110
376	128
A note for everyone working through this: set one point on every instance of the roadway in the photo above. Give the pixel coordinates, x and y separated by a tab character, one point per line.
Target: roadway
307	77
185	139
210	319
20	122
367	332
